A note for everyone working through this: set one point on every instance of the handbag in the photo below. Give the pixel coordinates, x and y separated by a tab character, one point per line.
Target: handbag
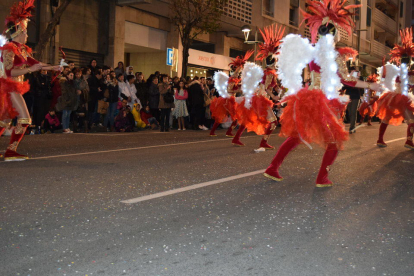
102	107
169	97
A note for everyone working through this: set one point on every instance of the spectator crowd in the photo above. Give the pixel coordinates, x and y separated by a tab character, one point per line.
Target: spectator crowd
97	98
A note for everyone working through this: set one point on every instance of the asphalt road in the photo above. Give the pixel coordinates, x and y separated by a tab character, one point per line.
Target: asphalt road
61	213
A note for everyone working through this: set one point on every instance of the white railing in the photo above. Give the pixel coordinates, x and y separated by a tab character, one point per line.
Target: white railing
384	21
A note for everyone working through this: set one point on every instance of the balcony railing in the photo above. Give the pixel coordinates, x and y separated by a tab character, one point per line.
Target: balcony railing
384	21
378	49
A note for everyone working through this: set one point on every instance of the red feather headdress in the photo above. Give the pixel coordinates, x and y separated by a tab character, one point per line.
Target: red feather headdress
240	61
373	78
407	47
328	11
347	52
271	36
19	12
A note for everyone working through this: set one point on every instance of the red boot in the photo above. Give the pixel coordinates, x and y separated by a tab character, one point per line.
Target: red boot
409	143
382	129
328	159
272	171
229	132
236	140
213	129
269	130
16	137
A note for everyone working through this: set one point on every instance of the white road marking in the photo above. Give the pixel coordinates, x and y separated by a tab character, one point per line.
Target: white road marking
395	140
137	148
192	187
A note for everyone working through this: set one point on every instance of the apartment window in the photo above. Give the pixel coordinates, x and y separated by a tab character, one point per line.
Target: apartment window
293	16
268	7
369	15
402	9
235	53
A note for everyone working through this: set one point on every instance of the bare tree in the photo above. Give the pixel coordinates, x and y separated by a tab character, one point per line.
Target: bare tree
47	34
192	18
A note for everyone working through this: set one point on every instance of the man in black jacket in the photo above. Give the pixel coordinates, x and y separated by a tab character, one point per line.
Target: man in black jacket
354	95
43	97
95	92
196	99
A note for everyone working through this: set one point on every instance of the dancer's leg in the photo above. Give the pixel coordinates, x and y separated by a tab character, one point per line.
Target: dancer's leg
272	171
409	117
382	129
23	122
236	140
229	132
328	159
213	129
269	130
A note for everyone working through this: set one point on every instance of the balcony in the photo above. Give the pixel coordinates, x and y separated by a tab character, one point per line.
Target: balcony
384	21
379	50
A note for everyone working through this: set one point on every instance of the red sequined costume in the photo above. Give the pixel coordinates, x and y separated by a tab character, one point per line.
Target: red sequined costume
398	105
15	56
223	107
260	118
368	107
313	114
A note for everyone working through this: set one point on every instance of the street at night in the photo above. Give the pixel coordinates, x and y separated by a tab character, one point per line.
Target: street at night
78	207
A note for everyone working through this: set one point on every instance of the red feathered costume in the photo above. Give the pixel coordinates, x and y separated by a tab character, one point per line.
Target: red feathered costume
15	56
369	105
396	106
260	118
310	117
221	108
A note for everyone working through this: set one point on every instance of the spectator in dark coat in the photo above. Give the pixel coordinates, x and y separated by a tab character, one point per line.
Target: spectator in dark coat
142	89
113	103
43	97
68	101
196	100
154	97
165	107
95	92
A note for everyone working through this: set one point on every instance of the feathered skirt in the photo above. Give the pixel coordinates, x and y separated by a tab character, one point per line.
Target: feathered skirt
391	107
310	117
221	108
368	109
7	86
258	116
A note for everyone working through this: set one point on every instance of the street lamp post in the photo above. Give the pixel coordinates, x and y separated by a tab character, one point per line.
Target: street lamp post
246	29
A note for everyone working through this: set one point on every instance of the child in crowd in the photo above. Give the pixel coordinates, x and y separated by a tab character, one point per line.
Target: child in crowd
123	121
148	119
139	123
51	122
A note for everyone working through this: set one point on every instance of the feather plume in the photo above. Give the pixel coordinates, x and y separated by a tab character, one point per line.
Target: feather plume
221	81
251	77
407	47
373	78
295	53
392	72
271	35
20	11
347	53
326	11
240	61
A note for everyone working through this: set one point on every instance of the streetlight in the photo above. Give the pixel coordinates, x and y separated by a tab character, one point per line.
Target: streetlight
246	29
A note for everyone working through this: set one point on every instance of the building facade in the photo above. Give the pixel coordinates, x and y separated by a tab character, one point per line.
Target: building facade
138	32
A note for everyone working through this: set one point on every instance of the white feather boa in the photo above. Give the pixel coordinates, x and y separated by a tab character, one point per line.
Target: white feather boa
392	72
295	53
325	57
251	76
3	41
221	81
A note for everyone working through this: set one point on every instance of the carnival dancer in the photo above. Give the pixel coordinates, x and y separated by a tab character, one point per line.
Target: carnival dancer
313	114
397	104
224	106
17	60
259	116
368	107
